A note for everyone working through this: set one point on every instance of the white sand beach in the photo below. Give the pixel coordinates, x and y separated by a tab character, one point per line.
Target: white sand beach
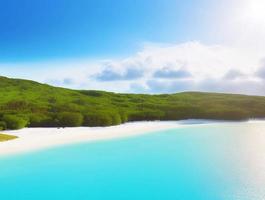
30	139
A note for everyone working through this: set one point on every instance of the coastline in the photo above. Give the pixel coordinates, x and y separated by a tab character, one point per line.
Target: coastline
33	139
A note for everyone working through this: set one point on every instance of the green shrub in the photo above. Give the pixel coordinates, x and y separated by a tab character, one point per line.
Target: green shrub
62	107
41	120
235	114
98	119
49	121
17	105
2	126
68	119
14	122
146	115
116	119
124	117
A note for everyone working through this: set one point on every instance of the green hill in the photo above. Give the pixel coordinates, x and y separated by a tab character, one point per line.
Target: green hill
28	103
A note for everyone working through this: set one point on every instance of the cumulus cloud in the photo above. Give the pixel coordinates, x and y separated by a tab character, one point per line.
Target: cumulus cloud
233	74
261	71
64	82
252	87
112	74
168	73
244	86
158	86
193	66
161	68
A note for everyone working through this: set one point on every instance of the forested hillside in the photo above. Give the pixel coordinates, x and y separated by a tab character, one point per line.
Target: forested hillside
27	103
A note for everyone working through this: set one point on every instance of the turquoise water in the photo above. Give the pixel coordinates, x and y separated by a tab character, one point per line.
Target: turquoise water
208	162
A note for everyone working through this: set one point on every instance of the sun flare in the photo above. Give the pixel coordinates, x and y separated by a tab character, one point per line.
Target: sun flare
254	10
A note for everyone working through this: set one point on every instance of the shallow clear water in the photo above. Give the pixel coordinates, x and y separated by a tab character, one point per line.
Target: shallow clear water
199	162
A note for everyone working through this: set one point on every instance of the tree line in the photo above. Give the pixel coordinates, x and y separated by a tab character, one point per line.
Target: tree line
31	104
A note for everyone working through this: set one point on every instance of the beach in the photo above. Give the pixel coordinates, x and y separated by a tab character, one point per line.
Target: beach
32	139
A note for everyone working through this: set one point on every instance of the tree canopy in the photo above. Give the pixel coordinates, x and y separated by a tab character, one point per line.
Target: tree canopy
28	103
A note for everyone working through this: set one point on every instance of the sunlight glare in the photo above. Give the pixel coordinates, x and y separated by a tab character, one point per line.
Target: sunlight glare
255	11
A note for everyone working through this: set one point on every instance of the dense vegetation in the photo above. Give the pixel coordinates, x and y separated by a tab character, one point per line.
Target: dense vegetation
27	103
4	137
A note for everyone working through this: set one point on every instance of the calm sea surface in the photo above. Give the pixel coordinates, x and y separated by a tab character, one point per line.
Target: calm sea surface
223	161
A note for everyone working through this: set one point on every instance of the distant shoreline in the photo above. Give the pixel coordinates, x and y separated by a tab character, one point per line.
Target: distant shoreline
32	139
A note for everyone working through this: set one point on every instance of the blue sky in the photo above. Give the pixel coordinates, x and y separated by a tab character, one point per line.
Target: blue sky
135	45
41	30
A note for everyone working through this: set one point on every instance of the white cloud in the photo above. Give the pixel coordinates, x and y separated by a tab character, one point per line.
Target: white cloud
169	73
260	73
210	68
123	72
190	66
234	74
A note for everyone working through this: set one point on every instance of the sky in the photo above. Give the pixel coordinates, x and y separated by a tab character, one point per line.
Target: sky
136	46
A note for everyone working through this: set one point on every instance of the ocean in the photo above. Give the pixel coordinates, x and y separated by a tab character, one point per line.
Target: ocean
219	161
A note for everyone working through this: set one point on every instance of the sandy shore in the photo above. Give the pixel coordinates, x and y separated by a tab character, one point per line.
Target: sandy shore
30	139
